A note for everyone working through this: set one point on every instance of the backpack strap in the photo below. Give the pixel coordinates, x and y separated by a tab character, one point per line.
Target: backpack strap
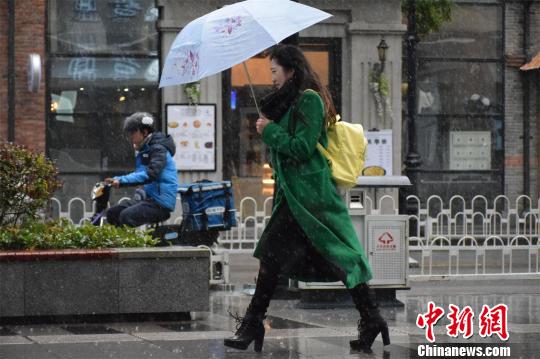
325	153
292	123
292	127
323	150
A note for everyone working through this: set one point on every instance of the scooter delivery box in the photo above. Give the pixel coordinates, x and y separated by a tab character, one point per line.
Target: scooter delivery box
207	205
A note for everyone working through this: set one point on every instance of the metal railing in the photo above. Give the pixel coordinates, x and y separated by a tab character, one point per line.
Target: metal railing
480	238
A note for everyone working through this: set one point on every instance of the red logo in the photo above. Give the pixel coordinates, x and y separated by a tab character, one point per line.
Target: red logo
429	319
492	320
386	238
386	241
460	322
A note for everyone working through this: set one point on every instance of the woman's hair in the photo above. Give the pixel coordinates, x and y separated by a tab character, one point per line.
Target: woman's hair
291	57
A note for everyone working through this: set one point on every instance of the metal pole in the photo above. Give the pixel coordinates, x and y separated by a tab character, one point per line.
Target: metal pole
11	71
413	158
251	88
526	104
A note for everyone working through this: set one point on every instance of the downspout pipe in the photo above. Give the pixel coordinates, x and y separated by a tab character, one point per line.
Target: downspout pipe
526	105
11	72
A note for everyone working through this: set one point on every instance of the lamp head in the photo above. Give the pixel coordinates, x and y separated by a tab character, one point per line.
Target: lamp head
381	49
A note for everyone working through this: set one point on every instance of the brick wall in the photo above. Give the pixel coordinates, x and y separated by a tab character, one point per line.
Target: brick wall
534	48
514	95
513	116
30	23
3	70
535	28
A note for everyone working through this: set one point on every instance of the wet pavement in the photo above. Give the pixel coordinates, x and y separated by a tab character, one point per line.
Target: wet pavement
291	332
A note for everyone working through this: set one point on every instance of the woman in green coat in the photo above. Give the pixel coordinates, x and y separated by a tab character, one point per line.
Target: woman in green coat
310	235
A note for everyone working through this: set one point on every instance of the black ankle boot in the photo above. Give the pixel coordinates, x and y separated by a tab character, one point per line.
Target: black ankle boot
371	322
249	328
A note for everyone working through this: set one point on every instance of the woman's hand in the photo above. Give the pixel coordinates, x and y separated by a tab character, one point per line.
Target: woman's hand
261	124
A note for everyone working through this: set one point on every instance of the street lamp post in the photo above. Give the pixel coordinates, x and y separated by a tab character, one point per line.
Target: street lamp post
412	159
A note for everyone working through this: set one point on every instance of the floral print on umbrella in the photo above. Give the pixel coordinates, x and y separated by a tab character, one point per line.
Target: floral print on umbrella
229	25
188	63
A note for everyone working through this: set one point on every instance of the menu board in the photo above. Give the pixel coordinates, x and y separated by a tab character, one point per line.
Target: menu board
193	128
379	150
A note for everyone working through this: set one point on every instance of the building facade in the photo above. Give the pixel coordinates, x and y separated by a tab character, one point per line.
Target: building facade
476	113
101	61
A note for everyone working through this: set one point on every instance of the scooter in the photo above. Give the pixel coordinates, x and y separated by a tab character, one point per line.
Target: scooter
101	194
166	234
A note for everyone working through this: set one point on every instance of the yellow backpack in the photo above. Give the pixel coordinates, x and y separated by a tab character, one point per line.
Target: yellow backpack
346	152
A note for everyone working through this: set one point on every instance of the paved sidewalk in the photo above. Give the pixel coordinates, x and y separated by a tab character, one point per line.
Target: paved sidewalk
291	332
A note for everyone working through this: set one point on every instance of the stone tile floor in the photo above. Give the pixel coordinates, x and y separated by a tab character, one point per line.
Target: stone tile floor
291	332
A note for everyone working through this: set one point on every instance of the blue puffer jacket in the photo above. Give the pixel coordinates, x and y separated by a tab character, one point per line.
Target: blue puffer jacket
155	168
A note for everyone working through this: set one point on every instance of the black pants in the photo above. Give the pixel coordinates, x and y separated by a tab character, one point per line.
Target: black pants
134	213
362	295
288	251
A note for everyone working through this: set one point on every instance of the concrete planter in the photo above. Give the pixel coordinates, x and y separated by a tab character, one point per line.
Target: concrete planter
114	281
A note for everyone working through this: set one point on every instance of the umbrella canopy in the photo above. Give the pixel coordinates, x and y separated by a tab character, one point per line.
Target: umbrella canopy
231	35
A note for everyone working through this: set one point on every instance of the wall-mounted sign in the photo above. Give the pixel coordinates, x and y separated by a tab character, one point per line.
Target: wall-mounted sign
117	71
193	129
470	150
379	150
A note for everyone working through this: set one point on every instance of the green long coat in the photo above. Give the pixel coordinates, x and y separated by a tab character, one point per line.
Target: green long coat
303	176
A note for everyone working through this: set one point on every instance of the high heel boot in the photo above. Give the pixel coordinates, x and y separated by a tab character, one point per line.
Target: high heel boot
371	322
249	328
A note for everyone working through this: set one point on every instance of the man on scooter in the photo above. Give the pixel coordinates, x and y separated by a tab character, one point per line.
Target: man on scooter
155	171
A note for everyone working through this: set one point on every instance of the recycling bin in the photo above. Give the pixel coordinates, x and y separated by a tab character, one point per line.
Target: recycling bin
382	235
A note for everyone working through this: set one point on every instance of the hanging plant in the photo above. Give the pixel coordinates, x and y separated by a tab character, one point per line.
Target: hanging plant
193	92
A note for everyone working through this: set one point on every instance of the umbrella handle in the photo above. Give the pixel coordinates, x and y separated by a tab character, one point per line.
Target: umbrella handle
251	87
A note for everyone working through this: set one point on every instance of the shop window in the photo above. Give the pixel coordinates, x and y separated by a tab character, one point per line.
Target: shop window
103	66
454	97
459	110
474	32
98	26
464	87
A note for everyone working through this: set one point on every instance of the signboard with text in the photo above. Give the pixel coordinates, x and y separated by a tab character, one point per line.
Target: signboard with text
379	150
193	129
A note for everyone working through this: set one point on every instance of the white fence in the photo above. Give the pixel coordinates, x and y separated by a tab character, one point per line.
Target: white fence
479	239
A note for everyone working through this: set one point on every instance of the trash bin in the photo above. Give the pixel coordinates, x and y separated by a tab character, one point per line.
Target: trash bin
382	235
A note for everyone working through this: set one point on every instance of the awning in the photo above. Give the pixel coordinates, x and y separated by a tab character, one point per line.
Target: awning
534	64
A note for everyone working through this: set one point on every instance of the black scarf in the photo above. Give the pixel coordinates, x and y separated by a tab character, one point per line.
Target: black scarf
277	103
